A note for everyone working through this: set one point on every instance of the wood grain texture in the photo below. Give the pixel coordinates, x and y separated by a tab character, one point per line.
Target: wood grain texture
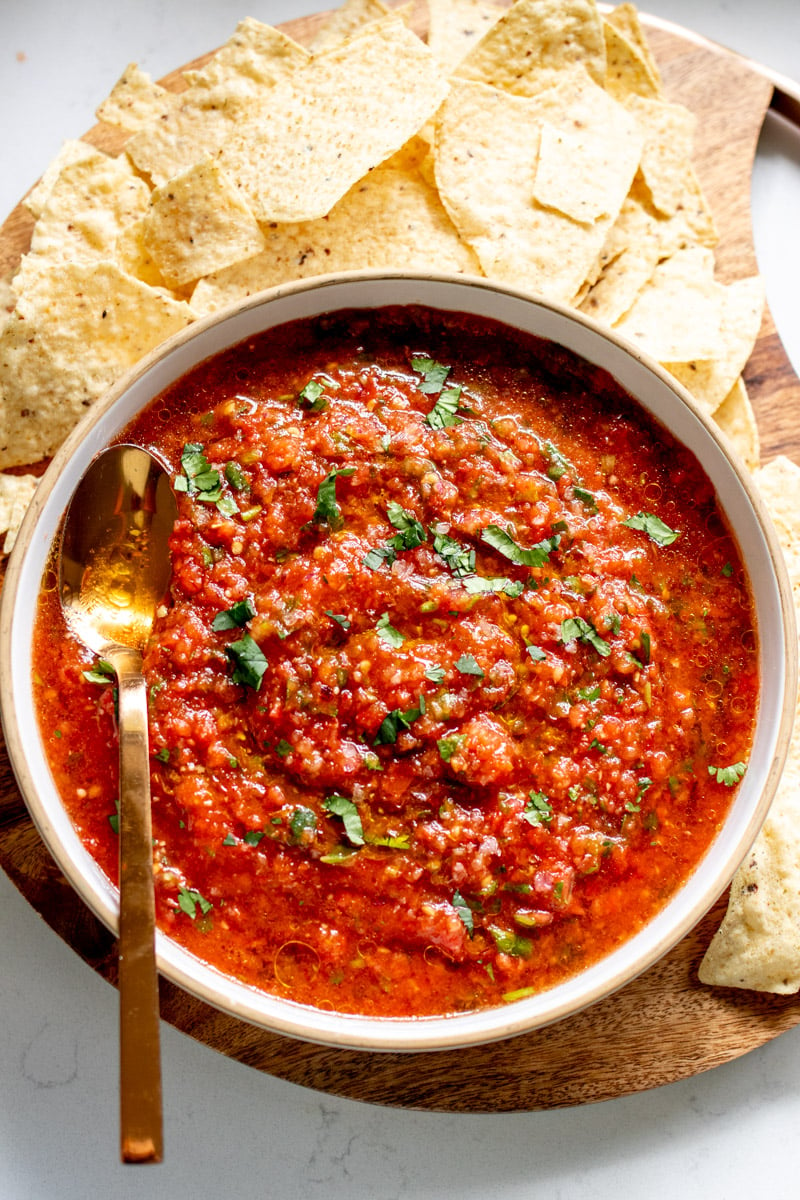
665	1025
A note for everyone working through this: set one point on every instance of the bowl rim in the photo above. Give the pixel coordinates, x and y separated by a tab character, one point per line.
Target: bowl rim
284	1016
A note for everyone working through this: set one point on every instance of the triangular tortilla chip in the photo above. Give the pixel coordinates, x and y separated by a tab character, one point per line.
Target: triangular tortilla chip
69	339
758	943
534	42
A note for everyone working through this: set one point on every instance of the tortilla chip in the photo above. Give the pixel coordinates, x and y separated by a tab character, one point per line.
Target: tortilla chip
758	943
486	158
391	219
455	26
625	18
72	151
198	223
534	42
575	174
637	241
678	315
736	418
195	129
668	140
88	206
316	134
135	100
741	313
70	337
255	56
16	492
627	71
350	18
132	257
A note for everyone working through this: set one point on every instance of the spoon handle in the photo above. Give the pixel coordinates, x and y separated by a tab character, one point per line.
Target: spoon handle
141	1134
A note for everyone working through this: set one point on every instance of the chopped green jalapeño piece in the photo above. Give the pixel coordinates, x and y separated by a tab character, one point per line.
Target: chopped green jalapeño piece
654	527
511	943
327	510
249	663
235	616
342	806
501	541
576	628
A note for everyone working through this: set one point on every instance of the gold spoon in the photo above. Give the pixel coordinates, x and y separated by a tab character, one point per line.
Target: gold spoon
113	574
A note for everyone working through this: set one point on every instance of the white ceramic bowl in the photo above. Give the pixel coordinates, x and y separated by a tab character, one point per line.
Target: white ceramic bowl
658	394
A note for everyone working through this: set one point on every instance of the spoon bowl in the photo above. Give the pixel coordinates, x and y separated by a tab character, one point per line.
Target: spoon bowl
113	572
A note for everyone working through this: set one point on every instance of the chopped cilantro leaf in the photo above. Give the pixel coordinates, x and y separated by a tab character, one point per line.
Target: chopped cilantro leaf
311	396
464	911
376	557
654	527
235	616
101	672
448	746
200	479
327	510
396	721
302	825
283	748
460	559
435	674
536	653
412	533
445	411
339	618
341	806
434	374
576	628
479	584
229	840
468	666
190	900
387	632
538	810
254	836
249	663
536	556
729	776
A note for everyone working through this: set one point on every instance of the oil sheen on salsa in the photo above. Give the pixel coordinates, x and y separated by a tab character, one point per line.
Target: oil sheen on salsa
455	680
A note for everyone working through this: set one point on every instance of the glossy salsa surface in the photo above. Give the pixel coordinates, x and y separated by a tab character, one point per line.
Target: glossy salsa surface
456	678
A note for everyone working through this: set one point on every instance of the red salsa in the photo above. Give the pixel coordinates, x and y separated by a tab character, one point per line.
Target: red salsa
457	675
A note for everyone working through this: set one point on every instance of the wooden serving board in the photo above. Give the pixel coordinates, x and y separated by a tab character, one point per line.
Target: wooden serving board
663	1026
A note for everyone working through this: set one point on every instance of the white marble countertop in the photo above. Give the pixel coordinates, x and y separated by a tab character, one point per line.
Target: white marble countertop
230	1130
